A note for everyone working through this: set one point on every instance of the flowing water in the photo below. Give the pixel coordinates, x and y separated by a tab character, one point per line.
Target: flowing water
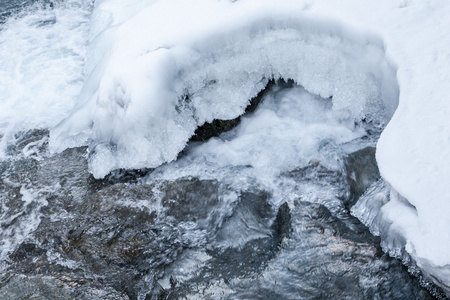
258	212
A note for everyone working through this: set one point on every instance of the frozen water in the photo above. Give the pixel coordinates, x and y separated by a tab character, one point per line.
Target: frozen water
412	152
152	81
145	97
394	218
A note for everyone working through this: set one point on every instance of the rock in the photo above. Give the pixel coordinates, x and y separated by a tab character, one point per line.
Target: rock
319	257
282	225
67	235
362	171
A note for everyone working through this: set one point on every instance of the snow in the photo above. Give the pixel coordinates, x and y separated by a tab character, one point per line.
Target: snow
412	152
158	69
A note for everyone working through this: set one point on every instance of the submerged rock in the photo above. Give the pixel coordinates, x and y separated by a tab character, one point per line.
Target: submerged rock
321	258
37	287
362	171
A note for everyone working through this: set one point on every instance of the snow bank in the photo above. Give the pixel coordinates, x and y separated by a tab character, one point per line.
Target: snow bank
159	69
413	151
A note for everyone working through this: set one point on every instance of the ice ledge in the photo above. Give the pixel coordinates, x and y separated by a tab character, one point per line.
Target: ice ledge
158	73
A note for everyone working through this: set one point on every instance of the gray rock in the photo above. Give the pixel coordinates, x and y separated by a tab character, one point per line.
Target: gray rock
362	171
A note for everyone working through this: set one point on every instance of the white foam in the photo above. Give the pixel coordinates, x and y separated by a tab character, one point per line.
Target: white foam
18	223
41	59
290	130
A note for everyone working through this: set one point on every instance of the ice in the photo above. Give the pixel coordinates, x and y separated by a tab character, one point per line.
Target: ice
158	80
412	152
387	214
367	209
392	217
159	69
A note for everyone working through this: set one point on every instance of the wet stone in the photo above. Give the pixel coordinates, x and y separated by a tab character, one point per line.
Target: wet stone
282	225
362	171
320	259
190	199
19	286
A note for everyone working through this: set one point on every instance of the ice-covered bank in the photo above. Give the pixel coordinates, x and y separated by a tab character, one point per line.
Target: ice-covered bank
413	151
159	69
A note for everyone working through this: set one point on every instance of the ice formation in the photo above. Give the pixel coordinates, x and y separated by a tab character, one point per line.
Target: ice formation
157	74
158	69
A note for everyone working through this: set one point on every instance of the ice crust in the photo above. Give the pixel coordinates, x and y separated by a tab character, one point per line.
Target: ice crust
159	69
412	152
158	73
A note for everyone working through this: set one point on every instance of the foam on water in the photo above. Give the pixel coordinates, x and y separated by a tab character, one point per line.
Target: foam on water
42	50
18	222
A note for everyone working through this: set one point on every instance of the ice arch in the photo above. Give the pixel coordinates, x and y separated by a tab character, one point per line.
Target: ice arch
157	73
